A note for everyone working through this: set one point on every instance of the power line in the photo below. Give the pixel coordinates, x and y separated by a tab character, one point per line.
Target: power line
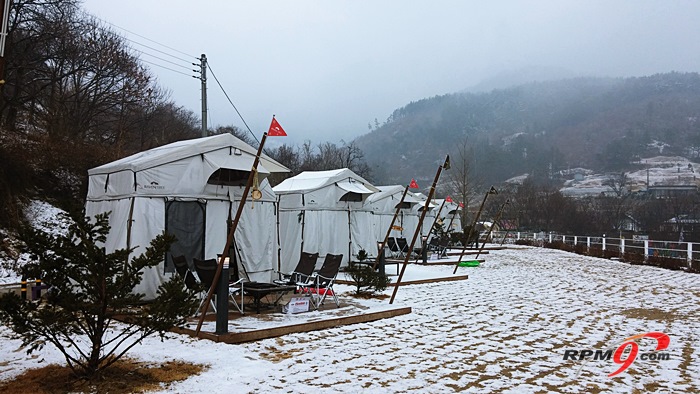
189	62
167	68
146	38
165	60
231	102
157	50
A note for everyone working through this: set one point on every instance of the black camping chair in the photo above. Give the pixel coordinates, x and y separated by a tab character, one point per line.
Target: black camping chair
393	247
402	245
183	269
206	270
302	272
321	284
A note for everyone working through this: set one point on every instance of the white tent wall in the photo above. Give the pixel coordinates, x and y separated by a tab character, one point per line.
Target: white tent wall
118	219
256	239
290	243
148	222
363	238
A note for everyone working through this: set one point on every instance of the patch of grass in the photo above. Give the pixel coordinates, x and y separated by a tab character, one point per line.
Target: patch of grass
649	314
125	376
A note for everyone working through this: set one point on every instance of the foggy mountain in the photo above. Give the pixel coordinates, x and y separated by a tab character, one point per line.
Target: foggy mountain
604	124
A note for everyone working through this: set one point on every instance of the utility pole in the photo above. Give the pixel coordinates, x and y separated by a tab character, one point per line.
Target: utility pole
203	79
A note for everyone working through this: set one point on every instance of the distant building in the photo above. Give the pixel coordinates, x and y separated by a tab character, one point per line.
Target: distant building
668	191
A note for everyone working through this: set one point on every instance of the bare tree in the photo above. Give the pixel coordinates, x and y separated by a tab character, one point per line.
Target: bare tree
462	184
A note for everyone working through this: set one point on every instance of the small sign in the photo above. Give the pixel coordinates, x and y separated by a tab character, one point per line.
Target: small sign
297	305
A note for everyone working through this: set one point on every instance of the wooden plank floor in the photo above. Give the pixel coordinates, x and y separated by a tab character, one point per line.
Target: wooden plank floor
272	332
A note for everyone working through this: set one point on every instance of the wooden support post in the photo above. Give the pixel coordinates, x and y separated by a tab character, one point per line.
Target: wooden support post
388	231
492	190
498	217
446	165
232	231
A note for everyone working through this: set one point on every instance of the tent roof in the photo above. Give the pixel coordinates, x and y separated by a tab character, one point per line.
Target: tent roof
313	180
421	199
181	149
388	191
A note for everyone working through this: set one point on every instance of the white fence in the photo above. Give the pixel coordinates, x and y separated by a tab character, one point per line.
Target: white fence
690	251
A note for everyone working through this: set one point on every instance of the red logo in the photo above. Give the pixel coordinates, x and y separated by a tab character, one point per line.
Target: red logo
662	342
626	353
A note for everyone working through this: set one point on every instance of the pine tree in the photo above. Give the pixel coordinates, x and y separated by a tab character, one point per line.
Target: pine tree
90	312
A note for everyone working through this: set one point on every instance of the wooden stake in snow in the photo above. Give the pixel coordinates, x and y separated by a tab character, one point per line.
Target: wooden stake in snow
229	239
446	166
391	225
492	190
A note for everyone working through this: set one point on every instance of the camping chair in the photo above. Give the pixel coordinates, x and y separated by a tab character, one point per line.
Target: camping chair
402	245
439	246
206	269
183	269
393	247
321	284
302	272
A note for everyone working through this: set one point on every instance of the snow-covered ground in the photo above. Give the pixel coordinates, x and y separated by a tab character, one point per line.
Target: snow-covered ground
505	329
42	216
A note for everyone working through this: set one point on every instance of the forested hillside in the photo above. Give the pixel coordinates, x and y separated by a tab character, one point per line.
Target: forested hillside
540	128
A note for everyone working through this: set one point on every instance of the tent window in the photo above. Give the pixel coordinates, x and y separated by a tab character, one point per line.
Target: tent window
350	196
403	205
228	177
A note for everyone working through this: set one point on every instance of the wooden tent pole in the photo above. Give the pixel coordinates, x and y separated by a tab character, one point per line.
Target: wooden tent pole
449	226
232	231
498	217
446	165
388	232
436	218
492	190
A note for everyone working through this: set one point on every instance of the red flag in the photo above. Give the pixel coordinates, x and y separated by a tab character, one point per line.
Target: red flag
413	184
448	199
461	205
275	129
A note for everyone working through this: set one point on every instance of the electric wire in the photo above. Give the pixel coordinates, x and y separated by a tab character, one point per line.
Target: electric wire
159	51
189	62
168	68
166	60
231	102
146	38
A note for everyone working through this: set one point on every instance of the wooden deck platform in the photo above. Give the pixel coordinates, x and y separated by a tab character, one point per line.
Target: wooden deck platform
319	323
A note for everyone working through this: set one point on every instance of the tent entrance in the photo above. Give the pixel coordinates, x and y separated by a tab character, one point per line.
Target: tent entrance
186	221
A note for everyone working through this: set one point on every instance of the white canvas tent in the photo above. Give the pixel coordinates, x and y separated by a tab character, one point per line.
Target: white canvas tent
322	211
383	207
427	220
449	216
191	189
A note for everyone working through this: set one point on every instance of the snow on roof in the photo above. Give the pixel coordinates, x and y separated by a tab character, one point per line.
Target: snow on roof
391	190
314	180
181	149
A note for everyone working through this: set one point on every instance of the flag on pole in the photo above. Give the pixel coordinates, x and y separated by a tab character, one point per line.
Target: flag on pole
275	129
461	205
448	199
413	185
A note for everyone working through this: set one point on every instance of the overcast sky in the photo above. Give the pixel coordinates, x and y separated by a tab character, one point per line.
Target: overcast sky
328	68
